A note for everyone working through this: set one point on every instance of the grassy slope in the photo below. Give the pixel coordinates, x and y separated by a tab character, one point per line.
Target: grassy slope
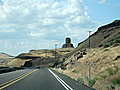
101	59
98	57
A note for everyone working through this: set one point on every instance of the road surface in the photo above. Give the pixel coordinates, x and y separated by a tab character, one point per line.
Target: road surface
38	79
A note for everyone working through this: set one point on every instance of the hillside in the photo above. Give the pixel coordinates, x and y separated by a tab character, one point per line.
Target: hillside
99	65
5	58
105	36
42	57
102	64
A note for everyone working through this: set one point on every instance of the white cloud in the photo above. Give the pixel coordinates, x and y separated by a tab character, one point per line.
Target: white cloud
102	2
35	34
45	20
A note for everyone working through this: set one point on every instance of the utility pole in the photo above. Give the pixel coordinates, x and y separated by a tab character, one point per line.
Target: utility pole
89	37
89	71
55	50
45	52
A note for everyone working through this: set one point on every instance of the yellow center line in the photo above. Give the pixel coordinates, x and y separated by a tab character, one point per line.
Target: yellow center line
15	80
12	80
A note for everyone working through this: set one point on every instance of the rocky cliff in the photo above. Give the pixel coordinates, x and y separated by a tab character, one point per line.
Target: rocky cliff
43	57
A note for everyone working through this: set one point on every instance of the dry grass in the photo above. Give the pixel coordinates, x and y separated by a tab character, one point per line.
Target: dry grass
99	59
17	62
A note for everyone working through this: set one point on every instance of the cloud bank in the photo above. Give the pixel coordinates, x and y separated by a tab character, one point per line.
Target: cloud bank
33	24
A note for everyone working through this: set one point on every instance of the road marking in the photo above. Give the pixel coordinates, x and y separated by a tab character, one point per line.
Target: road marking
65	85
6	84
13	79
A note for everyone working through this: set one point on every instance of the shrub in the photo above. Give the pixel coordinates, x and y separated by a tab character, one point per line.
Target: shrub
97	60
104	76
81	80
112	71
116	69
63	67
112	43
111	86
117	41
116	81
107	45
99	78
91	82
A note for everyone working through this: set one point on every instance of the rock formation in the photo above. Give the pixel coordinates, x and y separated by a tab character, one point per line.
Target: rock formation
68	44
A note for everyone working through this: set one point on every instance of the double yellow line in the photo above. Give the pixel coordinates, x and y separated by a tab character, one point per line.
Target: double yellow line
6	84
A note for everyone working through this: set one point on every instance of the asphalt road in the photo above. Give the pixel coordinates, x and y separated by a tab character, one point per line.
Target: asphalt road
38	79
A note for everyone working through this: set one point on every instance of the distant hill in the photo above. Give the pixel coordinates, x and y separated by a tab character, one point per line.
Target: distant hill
5	58
4	55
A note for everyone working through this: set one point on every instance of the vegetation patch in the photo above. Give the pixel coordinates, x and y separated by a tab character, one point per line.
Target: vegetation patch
80	80
107	45
98	78
97	60
91	82
112	71
111	87
104	76
116	81
112	43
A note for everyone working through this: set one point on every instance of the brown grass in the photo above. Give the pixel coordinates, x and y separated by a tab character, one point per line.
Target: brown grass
99	59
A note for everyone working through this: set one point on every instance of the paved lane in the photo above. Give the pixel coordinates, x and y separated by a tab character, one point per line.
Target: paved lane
40	79
11	75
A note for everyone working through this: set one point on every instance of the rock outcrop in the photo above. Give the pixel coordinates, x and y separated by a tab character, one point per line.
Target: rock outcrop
68	44
42	57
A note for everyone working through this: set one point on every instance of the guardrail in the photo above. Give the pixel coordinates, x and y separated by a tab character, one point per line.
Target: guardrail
9	69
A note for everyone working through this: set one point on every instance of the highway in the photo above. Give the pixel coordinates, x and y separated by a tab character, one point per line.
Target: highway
38	79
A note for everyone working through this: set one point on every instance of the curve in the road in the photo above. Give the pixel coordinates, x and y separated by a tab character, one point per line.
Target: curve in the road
8	83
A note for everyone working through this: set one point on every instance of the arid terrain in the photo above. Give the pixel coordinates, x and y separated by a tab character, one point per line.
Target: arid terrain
4	59
44	58
102	64
97	66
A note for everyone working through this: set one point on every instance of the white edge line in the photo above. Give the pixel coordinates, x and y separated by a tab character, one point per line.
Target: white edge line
65	83
61	81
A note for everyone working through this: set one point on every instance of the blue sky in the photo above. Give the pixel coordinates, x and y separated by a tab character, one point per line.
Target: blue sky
40	24
104	11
